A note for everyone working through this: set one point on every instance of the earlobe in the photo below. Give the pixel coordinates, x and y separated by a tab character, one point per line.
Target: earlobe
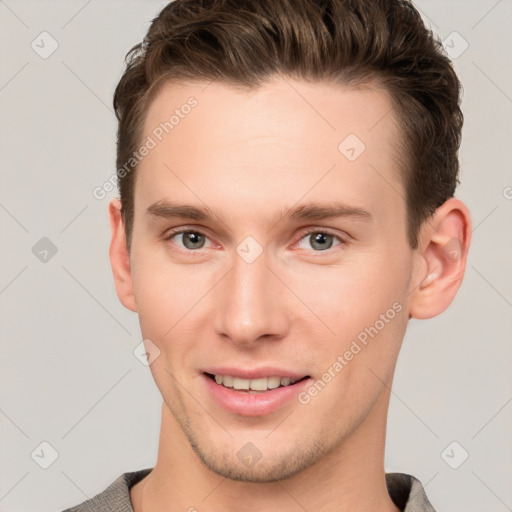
443	248
120	257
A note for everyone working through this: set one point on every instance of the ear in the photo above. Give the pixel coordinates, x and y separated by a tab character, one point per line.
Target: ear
443	249
120	257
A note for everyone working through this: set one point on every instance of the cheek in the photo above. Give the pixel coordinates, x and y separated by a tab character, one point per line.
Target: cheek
173	300
161	292
355	291
361	307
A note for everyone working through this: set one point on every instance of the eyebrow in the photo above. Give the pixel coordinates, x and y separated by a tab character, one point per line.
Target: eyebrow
310	211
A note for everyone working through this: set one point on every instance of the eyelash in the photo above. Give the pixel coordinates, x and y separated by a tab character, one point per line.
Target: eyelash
172	233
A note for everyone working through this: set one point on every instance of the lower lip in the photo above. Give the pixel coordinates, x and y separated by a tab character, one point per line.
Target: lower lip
253	404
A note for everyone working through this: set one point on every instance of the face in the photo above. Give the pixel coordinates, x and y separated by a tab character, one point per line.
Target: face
269	246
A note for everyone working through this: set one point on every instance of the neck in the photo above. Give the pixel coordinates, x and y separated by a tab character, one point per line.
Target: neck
351	476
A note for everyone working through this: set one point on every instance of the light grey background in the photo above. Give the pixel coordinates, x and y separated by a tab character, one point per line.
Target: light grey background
67	370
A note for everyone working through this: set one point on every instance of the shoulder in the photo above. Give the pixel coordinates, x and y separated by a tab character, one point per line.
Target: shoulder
408	493
116	497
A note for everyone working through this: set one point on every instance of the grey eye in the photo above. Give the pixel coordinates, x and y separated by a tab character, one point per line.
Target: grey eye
319	240
191	239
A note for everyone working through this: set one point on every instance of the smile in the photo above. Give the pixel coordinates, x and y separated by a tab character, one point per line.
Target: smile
260	384
257	396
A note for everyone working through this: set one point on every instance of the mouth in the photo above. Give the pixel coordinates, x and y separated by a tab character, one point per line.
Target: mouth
260	385
257	396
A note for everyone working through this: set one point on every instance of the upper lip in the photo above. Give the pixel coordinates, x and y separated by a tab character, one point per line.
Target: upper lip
254	373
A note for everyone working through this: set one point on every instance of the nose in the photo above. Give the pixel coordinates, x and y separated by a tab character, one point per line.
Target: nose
251	304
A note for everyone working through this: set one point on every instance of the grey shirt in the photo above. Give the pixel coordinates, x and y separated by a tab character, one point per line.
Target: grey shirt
406	492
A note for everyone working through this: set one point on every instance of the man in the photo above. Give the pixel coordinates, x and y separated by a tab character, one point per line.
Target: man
286	172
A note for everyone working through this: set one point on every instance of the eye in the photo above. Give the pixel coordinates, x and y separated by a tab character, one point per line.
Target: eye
190	240
320	240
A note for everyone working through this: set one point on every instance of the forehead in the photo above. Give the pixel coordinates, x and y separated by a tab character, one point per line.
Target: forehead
280	141
279	106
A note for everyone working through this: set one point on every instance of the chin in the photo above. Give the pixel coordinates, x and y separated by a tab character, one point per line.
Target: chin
249	464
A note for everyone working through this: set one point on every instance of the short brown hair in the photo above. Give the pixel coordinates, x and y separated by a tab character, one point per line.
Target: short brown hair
244	43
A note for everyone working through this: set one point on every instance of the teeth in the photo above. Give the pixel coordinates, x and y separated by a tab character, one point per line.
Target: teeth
261	384
241	383
258	384
273	382
227	381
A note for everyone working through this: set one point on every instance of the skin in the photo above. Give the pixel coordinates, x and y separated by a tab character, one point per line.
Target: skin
247	155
